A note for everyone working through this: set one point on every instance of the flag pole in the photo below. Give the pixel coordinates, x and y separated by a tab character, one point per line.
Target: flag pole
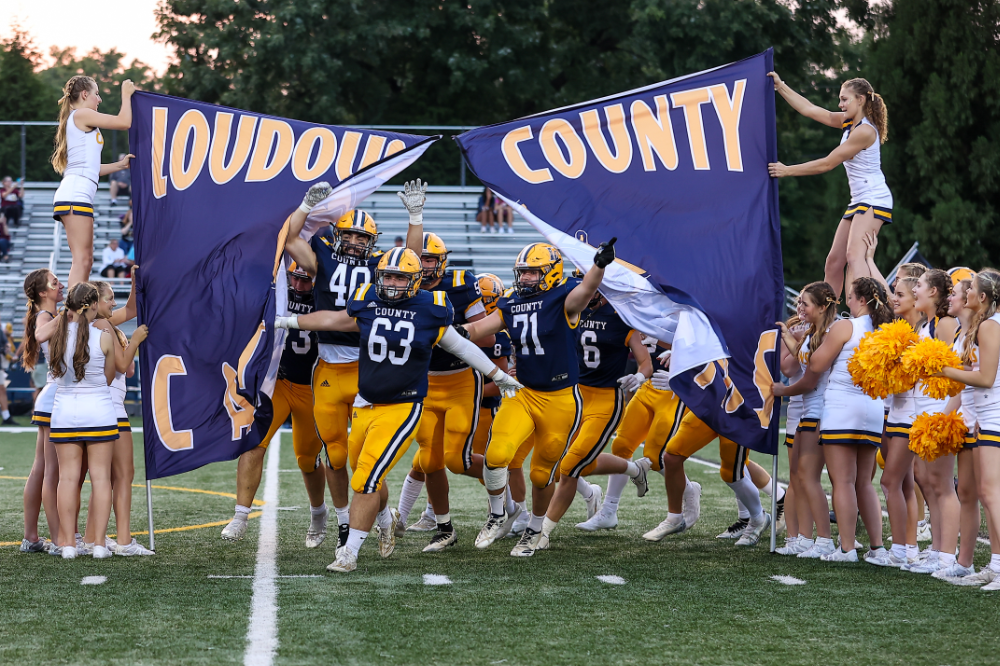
149	513
774	503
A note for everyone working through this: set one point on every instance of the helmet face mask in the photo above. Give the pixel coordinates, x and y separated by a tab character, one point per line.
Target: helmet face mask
354	235
298	277
434	249
541	260
402	268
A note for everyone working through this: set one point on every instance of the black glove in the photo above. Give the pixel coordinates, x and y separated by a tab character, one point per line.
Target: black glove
605	253
462	330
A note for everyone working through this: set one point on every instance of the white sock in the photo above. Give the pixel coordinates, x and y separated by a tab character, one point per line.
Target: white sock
583	487
242	512
510	506
675	517
742	510
535	523
318	510
429	510
408	496
747	493
898	550
824	541
781	493
912	550
384	518
496	504
616	486
995	563
632	470
524	509
319	514
5	414
343	514
548	526
354	541
443	519
946	559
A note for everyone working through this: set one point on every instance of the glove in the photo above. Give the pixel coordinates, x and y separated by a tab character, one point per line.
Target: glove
286	322
314	195
462	330
508	385
414	196
631	383
605	253
664	359
661	380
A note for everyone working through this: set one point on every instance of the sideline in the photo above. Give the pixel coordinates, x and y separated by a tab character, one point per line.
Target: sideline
262	630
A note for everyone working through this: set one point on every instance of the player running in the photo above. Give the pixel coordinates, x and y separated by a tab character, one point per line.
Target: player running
343	258
398	327
292	396
541	312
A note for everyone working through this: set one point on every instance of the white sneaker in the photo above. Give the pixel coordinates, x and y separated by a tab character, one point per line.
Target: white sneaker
345	562
993	586
68	552
691	503
528	543
984	576
928	566
790	546
236	529
877	556
641	481
101	553
665	528
387	538
85	549
40	546
751	535
734	531
482	229
425	524
110	543
496	527
594	503
841	556
924	530
519	524
819	549
133	549
494	231
600	521
955	570
441	541
802	545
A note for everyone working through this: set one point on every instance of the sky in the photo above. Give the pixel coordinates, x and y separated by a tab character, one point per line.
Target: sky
126	25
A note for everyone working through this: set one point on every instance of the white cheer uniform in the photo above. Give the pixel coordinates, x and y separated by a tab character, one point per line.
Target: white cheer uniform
84	410
83	167
850	416
864	175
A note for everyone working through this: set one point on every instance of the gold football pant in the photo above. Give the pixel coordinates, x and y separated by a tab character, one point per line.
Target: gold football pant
652	416
694	434
335	385
448	425
602	412
297	400
380	435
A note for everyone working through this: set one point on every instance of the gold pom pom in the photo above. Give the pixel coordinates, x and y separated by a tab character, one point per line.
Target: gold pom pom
936	435
927	358
875	366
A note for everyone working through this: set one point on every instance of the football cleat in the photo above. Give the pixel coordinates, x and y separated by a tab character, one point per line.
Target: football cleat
40	546
425	524
345	562
387	538
601	521
665	528
751	535
734	531
441	541
691	507
316	534
133	549
779	515
497	527
953	571
594	503
640	481
235	530
528	543
101	553
841	556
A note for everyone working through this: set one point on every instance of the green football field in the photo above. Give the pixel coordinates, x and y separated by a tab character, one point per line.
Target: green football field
692	599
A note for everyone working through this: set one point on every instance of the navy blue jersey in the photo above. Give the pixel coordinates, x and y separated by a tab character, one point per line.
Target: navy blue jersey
396	343
299	355
501	349
602	347
462	289
336	281
544	341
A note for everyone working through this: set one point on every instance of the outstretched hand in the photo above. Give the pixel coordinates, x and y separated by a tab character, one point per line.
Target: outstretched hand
605	253
414	196
314	195
777	170
776	78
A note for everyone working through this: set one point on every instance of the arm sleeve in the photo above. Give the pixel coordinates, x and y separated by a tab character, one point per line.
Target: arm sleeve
455	344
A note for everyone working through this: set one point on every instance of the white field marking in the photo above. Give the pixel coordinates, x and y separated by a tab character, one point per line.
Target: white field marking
436	579
285	576
289	508
611	580
262	630
788	580
93	580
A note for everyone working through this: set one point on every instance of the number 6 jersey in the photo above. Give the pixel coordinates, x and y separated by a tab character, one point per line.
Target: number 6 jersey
602	346
396	343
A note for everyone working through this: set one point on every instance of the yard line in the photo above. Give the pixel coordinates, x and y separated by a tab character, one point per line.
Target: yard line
93	580
262	632
436	579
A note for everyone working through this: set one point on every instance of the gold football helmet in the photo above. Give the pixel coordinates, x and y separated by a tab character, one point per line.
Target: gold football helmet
358	222
434	248
400	261
960	273
492	288
541	257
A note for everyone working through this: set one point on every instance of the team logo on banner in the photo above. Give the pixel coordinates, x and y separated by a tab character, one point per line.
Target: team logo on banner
214	187
678	172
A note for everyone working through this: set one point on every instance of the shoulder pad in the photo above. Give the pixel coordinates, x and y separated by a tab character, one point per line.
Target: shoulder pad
458	278
440	298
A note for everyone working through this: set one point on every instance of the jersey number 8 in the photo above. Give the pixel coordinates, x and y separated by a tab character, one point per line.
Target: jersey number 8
378	345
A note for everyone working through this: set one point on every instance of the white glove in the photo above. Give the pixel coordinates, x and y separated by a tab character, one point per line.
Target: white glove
414	196
631	383
286	322
314	195
661	380
664	359
508	385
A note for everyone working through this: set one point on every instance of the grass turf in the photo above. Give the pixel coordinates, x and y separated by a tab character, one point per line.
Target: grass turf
689	600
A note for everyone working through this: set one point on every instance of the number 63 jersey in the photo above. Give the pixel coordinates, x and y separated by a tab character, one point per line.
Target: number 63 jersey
396	343
543	338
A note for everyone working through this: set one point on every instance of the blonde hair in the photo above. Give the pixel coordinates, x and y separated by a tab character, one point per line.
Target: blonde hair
874	109
103	288
987	281
822	297
82	296
75	87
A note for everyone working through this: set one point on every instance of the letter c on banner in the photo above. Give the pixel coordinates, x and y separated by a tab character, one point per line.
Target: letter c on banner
515	160
176	440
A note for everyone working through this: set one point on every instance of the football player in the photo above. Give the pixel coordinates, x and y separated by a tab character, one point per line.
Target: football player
343	258
399	325
292	395
602	349
541	313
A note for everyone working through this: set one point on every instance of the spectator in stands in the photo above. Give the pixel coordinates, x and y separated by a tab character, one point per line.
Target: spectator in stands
120	183
5	243
486	213
114	261
126	224
12	200
399	241
6	354
504	213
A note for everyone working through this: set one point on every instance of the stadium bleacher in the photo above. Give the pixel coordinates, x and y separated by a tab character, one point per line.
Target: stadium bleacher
450	213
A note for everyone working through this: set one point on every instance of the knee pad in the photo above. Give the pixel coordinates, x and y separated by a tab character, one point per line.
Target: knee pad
336	456
431	459
307	463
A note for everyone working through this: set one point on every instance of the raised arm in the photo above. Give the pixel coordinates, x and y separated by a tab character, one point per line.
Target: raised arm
804	106
321	320
87	119
297	247
122	315
578	299
414	196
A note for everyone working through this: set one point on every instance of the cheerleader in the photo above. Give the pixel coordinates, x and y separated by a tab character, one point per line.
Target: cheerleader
44	292
799	526
851	422
937	477
981	351
83	415
819	311
77	158
122	463
964	403
863	121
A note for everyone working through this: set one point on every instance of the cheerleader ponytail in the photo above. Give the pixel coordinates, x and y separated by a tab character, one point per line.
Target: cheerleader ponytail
36	283
75	87
875	109
81	297
871	292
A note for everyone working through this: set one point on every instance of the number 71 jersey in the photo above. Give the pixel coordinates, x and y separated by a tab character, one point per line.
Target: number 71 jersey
336	282
544	341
